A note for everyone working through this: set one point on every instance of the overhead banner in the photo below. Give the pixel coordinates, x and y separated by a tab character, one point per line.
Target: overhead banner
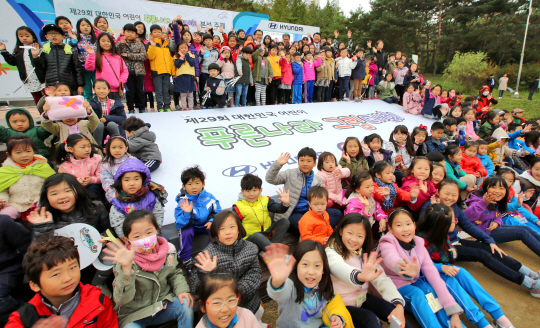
121	12
228	143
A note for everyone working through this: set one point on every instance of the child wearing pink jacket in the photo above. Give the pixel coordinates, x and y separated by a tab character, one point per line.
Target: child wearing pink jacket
407	262
412	101
309	75
331	173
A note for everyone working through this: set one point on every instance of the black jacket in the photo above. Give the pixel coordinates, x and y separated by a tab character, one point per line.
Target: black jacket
534	85
59	66
116	115
17	59
14	240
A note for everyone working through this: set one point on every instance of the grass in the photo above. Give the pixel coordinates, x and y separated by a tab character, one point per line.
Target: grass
531	108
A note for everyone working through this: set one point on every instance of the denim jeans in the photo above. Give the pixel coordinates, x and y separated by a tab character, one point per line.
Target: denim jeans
174	311
391	100
328	96
527	235
343	87
99	132
276	231
161	87
241	90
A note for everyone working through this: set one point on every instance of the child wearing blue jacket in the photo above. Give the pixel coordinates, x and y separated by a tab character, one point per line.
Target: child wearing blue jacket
514	132
484	157
195	211
298	78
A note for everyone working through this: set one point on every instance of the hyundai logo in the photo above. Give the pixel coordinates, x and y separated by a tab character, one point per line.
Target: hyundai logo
340	145
239	171
272	26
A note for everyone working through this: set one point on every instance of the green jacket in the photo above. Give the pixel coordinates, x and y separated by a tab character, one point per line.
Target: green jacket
391	66
142	294
257	63
355	166
485	130
388	91
37	134
451	174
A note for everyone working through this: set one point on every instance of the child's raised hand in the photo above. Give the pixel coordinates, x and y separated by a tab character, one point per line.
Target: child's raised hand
346	156
206	262
493	226
450	271
274	257
369	267
35	49
208	225
283	159
284	196
349	34
528	128
152	40
363	200
186	205
415	190
46	107
384	191
409	268
220	29
529	193
336	322
423	186
119	253
489	198
434	200
38	216
199	27
382	225
521	197
337	173
336	33
2	46
72	34
88	48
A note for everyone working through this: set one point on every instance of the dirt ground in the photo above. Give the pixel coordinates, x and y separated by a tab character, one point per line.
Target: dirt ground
516	302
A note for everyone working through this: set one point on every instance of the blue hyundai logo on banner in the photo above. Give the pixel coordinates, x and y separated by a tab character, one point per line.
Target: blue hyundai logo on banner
272	26
239	171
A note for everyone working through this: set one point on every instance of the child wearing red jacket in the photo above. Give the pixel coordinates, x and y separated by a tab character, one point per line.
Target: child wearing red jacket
386	191
472	164
485	99
85	305
285	88
417	179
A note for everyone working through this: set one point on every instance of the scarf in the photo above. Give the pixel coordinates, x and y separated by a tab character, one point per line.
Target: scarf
436	254
157	189
154	261
527	175
387	203
10	175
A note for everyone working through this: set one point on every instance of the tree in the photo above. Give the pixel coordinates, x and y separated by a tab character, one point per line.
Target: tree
469	69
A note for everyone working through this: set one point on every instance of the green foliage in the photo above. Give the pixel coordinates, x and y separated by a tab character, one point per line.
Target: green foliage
468	69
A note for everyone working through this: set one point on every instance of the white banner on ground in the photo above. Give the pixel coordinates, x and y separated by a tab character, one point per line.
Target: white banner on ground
121	12
228	143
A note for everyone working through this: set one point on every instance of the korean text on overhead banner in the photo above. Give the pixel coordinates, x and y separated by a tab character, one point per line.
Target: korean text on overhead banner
121	12
287	27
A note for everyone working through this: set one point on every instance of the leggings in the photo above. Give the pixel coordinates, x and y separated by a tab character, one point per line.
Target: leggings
260	94
320	93
284	96
371	92
373	308
150	97
187	100
176	98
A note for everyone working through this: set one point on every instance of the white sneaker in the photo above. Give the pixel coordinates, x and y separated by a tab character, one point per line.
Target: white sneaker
496	325
345	99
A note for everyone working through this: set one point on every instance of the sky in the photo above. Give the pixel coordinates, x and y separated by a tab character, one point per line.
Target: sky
348	5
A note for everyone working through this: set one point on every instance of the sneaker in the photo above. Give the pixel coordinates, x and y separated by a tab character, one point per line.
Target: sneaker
204	107
189	266
534	275
131	111
345	99
178	107
105	290
160	110
535	291
167	109
496	325
142	111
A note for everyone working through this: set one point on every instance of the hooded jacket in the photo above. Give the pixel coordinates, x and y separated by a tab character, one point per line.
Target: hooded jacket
484	101
143	294
471	165
257	59
412	102
205	207
298	73
477	211
81	168
355	206
315	226
142	144
392	253
160	58
422	196
359	72
60	63
486	163
242	259
454	171
333	183
227	68
215	83
291	179
517	144
113	69
117	114
373	72
386	91
286	71
430	101
136	55
100	220
325	71
255	216
94	310
24	193
107	172
36	133
149	202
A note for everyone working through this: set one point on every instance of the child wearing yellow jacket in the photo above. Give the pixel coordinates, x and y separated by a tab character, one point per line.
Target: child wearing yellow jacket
161	65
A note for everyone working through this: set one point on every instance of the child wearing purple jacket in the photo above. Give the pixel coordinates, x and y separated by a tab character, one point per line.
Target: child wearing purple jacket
485	208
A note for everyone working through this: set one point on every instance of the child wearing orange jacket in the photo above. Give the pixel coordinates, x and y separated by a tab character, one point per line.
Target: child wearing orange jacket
315	224
472	164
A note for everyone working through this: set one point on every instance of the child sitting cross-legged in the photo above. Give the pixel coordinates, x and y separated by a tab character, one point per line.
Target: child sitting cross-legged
52	266
299	181
195	211
252	208
315	224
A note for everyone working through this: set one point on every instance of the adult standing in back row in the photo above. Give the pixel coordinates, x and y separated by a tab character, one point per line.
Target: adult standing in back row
382	60
503	84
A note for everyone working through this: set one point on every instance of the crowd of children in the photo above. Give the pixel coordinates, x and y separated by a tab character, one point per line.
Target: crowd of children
383	216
